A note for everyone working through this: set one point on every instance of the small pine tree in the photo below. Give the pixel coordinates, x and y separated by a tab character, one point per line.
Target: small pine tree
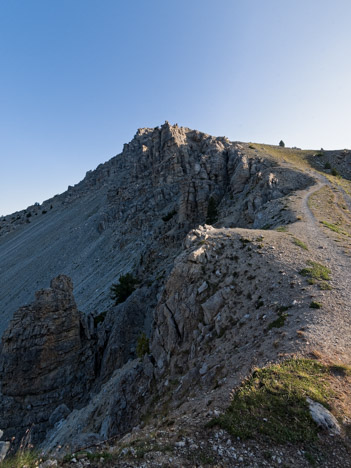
124	288
212	212
282	144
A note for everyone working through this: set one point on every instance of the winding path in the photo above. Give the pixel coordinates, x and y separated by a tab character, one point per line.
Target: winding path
330	327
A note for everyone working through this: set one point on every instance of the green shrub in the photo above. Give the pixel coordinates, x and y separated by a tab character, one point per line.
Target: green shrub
315	305
282	144
142	347
99	318
335	228
212	212
316	271
123	289
169	216
279	322
327	165
299	243
334	172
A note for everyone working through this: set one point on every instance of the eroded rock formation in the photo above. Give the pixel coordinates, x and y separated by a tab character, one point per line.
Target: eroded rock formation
133	212
47	360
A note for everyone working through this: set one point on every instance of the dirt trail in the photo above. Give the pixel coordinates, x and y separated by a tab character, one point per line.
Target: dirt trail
330	329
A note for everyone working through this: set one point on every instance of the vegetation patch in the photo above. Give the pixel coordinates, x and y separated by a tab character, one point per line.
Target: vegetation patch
299	243
272	402
139	448
142	347
95	456
317	271
169	216
279	322
123	289
334	227
22	458
315	305
212	212
99	318
299	158
282	316
281	229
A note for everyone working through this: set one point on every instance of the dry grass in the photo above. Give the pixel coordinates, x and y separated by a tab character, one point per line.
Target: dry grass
329	208
296	157
272	401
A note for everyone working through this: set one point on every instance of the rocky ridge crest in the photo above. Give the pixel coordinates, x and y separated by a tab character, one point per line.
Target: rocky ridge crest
213	301
132	213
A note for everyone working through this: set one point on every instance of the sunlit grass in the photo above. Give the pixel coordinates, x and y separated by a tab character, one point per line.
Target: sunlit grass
272	402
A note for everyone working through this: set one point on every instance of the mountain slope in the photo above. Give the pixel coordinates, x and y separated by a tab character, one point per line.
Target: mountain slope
112	221
269	281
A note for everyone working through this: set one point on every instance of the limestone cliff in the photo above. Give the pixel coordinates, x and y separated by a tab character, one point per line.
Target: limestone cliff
47	360
132	213
213	301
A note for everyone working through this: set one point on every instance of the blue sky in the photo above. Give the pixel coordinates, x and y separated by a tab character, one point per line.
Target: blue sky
79	77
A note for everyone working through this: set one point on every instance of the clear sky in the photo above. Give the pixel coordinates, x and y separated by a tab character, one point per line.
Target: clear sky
78	77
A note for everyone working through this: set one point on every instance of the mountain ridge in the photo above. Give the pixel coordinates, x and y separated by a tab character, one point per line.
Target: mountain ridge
132	191
267	281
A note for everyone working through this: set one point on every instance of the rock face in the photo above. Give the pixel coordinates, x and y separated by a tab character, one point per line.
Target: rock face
47	360
119	333
132	213
199	297
221	317
215	318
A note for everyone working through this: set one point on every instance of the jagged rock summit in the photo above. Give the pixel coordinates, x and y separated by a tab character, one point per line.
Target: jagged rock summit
46	360
132	213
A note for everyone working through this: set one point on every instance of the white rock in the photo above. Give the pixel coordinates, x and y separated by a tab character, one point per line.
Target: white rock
323	417
4	446
198	256
180	444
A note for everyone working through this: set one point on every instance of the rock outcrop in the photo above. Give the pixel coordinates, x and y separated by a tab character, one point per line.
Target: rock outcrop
132	213
215	314
211	301
47	361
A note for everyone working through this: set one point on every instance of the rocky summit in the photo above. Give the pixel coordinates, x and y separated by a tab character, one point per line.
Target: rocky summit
198	312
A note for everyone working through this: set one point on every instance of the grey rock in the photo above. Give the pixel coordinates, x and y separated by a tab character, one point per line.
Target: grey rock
84	440
202	288
45	350
48	463
4	447
61	412
212	306
323	417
